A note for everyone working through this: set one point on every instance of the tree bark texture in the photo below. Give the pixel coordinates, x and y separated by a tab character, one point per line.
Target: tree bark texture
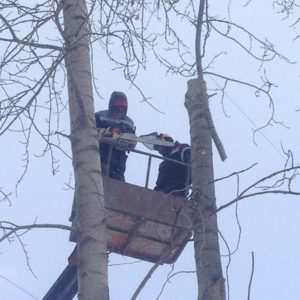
206	244
90	212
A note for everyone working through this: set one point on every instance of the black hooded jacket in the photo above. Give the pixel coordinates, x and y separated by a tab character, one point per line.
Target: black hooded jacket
105	119
172	177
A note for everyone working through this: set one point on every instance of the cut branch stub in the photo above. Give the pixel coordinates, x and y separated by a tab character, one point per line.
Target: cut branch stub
195	89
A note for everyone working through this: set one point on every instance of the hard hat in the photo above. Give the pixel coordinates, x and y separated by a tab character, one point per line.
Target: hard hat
166	137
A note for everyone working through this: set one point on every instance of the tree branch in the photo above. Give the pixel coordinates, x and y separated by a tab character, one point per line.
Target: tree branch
13	228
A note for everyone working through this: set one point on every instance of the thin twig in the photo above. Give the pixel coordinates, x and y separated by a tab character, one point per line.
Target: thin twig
251	276
14	228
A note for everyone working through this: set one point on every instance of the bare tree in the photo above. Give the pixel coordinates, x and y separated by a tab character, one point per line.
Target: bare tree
207	251
90	212
206	244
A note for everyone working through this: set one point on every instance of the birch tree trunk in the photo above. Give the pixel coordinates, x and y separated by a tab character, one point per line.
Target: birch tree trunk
206	244
90	213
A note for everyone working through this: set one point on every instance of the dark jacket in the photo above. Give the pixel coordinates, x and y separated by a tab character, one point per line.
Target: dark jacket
104	119
172	177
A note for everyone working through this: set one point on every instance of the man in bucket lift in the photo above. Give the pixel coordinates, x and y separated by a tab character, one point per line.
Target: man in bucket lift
110	122
173	178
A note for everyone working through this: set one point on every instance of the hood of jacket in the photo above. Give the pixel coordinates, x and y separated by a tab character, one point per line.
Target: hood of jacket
114	97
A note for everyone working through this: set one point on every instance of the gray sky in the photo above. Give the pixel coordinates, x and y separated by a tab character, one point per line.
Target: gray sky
269	224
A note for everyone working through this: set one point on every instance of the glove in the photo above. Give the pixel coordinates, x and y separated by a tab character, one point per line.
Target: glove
104	132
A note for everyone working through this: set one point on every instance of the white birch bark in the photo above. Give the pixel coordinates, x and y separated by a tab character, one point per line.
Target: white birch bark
90	218
206	244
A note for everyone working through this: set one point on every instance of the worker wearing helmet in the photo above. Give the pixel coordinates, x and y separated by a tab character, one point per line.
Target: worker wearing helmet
172	177
114	120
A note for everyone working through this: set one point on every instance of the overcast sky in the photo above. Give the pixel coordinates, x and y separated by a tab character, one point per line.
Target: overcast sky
270	225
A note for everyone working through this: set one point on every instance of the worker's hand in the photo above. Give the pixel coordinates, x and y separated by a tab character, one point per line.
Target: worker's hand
115	131
131	146
104	132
